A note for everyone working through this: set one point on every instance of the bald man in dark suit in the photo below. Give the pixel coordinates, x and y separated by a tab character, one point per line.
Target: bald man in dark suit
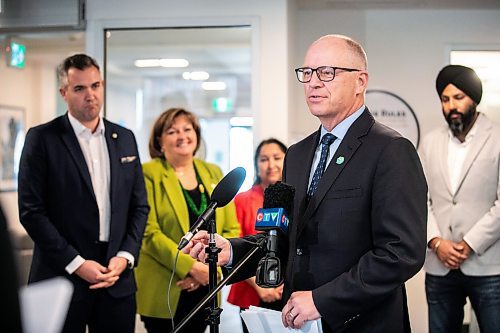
358	226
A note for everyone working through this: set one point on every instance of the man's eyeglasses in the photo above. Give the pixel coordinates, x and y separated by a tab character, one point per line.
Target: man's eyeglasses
325	73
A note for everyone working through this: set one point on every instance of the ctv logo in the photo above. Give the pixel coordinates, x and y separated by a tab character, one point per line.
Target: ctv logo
271	218
260	216
284	220
268	217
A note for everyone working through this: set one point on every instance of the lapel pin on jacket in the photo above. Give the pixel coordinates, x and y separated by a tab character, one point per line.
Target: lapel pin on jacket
114	136
127	159
340	160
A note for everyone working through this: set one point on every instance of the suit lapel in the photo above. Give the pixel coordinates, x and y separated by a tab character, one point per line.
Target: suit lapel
442	159
175	196
343	155
71	142
112	142
304	173
205	177
482	135
210	181
301	174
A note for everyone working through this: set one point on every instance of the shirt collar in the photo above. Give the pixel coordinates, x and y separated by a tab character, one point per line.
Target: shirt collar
341	129
79	128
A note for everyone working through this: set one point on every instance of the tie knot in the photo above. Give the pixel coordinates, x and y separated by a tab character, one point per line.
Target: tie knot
327	139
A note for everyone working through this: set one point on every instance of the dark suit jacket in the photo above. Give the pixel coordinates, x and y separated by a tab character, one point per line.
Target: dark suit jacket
10	316
362	234
58	208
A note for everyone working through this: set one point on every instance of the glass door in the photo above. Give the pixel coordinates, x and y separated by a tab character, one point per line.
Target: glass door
206	70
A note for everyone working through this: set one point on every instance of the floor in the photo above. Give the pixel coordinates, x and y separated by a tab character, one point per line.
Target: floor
230	317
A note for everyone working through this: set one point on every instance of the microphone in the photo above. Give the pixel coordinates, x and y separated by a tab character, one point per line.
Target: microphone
278	199
223	193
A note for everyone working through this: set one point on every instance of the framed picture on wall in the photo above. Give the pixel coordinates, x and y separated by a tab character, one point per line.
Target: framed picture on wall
11	145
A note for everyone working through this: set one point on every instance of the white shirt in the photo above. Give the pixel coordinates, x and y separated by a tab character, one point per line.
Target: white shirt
96	155
339	131
457	151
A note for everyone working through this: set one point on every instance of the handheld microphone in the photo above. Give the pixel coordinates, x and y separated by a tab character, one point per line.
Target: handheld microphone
223	193
278	199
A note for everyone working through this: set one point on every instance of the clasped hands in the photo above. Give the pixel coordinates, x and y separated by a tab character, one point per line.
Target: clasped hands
450	253
298	309
100	276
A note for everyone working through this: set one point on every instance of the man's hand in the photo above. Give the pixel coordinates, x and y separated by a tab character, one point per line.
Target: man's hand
452	254
196	247
299	309
269	294
266	294
99	276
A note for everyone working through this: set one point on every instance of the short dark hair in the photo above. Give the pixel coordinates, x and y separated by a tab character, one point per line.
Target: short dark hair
79	61
280	144
164	122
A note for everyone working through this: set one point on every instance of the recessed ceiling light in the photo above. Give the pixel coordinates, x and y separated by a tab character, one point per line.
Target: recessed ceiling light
215	85
147	62
161	63
199	76
174	63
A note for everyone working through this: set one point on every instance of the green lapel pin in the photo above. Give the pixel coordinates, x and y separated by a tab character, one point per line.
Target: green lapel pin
340	160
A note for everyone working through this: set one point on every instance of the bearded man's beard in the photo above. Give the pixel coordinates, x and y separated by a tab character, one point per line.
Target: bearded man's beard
462	121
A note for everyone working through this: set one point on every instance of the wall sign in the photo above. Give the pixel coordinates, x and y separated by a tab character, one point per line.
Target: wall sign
391	110
11	145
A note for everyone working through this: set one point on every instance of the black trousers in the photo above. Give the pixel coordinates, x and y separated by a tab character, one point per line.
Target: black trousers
187	301
101	312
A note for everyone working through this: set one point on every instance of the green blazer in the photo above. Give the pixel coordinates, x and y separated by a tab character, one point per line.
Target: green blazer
168	221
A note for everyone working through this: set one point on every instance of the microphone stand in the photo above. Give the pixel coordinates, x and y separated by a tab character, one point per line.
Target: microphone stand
213	254
212	257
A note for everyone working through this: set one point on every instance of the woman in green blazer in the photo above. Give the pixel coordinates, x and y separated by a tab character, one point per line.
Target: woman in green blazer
179	188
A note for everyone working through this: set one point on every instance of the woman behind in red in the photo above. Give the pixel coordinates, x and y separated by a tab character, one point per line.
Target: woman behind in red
268	163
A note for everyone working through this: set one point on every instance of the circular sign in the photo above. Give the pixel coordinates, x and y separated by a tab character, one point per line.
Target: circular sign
391	110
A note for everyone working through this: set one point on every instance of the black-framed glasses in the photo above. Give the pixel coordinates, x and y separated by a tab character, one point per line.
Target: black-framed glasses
325	73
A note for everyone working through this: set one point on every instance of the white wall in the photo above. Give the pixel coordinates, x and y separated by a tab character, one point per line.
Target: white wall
18	88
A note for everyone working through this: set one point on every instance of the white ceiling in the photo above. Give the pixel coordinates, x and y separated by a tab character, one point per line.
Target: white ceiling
227	46
386	4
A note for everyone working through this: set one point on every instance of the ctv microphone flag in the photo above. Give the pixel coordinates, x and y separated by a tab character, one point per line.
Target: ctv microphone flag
271	219
278	199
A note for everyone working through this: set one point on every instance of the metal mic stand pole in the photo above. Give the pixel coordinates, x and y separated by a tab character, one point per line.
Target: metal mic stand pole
211	296
212	257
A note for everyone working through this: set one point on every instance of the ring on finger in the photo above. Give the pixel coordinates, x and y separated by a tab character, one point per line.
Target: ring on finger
290	314
192	285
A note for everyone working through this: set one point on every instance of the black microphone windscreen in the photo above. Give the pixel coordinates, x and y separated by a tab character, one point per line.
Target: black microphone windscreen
279	195
227	188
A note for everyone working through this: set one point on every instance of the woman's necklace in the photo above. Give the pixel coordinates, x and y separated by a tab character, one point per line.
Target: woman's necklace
190	201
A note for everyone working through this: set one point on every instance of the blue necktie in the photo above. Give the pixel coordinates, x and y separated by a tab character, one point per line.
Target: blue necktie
326	141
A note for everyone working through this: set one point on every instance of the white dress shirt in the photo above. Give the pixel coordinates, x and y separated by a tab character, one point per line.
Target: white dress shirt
95	151
339	131
457	151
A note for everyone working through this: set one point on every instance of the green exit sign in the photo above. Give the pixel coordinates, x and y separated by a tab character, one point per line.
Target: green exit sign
222	104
